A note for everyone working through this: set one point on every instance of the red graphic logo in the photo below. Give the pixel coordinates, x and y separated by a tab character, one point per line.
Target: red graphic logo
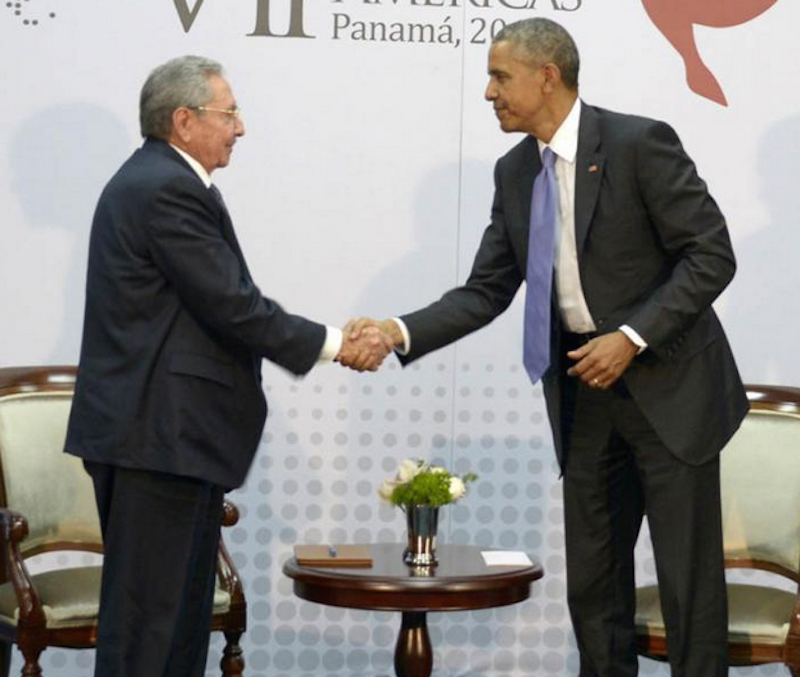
676	19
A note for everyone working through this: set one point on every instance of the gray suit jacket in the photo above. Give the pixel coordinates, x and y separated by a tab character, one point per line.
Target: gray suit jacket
654	253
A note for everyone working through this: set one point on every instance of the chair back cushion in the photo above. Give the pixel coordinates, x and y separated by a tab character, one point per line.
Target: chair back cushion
49	488
760	469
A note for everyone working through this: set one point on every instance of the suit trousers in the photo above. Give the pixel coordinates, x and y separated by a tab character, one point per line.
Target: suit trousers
616	469
161	534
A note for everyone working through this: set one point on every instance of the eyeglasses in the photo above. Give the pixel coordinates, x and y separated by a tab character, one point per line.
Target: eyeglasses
233	113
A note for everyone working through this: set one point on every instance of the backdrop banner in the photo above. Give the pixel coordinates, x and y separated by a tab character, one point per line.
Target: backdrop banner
362	187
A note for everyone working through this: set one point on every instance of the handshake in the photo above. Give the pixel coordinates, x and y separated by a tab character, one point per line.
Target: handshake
366	342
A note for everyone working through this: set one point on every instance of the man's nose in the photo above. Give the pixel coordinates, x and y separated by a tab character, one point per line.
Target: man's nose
491	92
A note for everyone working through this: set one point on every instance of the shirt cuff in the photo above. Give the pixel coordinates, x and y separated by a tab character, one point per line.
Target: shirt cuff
406	347
332	345
633	335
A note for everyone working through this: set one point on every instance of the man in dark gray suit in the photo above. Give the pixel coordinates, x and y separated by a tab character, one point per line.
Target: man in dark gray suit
641	387
169	408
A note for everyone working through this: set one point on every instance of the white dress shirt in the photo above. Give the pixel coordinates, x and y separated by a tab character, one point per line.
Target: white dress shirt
575	314
333	335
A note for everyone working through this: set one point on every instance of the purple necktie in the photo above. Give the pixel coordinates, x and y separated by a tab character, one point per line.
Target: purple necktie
539	272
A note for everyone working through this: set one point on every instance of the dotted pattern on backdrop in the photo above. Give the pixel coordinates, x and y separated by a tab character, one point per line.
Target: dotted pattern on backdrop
28	12
465	418
329	442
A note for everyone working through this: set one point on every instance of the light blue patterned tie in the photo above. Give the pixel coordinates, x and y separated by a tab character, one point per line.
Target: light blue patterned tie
539	272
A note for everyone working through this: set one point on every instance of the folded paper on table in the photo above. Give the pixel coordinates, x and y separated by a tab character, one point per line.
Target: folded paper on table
505	558
333	555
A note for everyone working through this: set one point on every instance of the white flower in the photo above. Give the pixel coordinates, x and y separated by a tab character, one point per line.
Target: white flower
408	470
437	470
385	492
457	488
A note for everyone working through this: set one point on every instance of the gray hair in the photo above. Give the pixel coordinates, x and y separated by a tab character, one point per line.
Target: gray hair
181	82
544	41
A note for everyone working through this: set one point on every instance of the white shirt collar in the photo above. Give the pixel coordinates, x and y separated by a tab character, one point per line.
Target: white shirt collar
194	164
565	141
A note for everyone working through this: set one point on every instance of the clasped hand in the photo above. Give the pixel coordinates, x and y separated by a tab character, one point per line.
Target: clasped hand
365	349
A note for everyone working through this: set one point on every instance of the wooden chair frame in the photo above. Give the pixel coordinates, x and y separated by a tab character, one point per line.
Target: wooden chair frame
31	633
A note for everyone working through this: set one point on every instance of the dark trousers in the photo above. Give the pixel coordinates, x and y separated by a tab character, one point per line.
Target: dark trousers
161	534
616	468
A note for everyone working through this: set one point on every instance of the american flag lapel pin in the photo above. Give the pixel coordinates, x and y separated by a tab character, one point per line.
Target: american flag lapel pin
593	169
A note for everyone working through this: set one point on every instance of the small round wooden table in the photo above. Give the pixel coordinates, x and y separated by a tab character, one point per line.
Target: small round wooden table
460	582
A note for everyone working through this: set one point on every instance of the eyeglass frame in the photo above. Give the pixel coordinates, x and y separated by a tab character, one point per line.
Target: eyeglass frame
232	113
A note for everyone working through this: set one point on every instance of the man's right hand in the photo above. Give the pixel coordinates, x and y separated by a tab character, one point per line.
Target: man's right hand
356	327
366	350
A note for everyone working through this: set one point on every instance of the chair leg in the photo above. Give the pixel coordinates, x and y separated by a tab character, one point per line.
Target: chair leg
232	662
5	658
31	667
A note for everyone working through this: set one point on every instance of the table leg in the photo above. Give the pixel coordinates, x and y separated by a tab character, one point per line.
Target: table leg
413	656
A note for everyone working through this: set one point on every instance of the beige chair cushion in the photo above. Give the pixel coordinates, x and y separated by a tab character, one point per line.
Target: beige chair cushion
70	597
756	614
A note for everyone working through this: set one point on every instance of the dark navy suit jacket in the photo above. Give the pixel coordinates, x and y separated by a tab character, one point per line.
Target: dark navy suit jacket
175	329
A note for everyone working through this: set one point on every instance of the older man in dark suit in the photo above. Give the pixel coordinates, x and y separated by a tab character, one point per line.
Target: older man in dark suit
169	408
641	387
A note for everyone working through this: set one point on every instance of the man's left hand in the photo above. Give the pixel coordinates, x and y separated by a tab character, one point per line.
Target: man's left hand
603	360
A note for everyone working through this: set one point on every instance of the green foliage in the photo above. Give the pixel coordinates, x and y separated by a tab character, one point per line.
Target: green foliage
418	483
425	489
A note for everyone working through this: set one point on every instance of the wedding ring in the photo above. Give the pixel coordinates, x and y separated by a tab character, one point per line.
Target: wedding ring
595	383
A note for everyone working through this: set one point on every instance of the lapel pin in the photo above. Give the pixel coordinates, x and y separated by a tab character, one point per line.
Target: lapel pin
593	169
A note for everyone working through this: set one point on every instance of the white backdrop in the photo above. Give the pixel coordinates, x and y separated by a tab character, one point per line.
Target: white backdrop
362	187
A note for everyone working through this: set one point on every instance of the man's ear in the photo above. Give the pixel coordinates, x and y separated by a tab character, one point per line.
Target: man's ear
552	76
182	124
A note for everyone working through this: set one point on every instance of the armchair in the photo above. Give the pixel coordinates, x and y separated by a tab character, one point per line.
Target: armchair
47	505
760	474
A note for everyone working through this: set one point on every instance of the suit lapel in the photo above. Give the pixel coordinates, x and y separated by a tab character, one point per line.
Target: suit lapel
524	176
226	225
589	166
230	237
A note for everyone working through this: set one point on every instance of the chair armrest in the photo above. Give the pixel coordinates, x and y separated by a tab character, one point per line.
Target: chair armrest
13	526
226	570
793	638
228	575
230	513
14	530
